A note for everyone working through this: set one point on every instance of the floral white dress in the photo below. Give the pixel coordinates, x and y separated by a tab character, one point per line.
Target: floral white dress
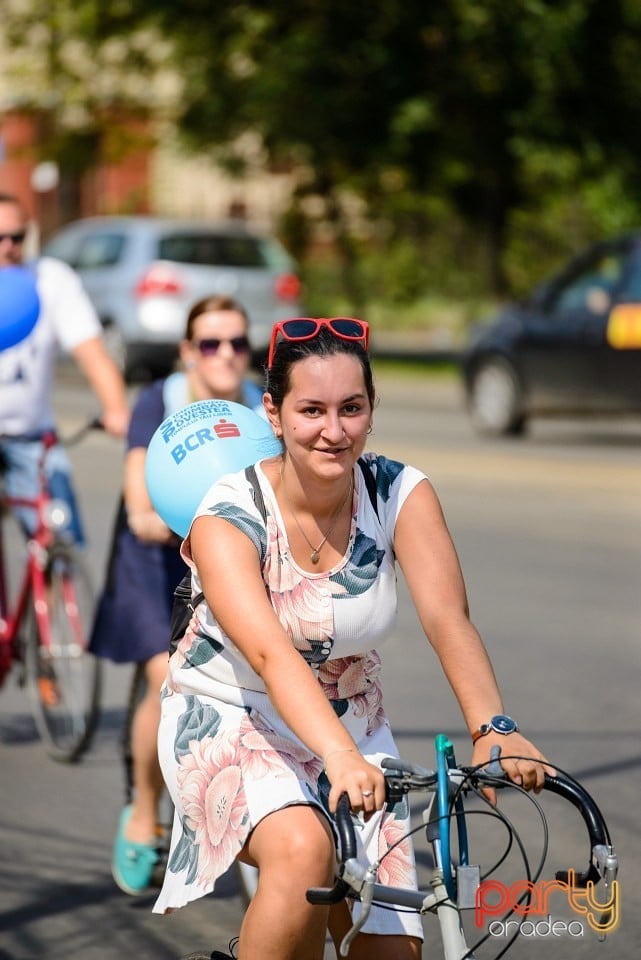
227	756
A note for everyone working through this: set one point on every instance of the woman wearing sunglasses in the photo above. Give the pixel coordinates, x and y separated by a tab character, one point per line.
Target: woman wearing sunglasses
132	623
273	707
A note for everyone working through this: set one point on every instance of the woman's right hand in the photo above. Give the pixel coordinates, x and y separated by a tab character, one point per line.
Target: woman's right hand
349	772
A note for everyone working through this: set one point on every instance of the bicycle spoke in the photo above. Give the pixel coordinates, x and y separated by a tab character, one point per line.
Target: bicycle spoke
63	678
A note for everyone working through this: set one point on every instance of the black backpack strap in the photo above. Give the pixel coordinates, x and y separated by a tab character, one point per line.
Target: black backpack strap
250	473
181	612
184	605
370	483
197	599
182	593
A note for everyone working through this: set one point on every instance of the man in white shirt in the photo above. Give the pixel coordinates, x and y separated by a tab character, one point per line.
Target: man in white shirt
67	322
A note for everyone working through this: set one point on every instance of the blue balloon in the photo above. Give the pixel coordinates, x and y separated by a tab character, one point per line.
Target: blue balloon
19	305
195	447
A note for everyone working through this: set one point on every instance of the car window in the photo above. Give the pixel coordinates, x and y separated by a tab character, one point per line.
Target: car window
100	250
592	289
276	256
65	247
215	250
630	289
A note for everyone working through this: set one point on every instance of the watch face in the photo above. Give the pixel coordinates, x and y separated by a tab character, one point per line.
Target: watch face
503	724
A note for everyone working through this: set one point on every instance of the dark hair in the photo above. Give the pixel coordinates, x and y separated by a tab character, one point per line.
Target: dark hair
216	302
325	344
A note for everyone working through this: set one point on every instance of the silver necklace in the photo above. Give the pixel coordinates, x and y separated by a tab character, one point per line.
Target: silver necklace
315	554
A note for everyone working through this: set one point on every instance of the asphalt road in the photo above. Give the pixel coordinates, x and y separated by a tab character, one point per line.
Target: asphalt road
547	532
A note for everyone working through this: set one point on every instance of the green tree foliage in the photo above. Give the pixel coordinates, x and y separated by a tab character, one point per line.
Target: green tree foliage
466	128
495	108
68	62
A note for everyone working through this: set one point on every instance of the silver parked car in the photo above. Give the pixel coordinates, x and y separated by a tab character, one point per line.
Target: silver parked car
144	273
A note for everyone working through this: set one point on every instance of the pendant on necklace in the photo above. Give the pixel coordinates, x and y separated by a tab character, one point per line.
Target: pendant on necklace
314	556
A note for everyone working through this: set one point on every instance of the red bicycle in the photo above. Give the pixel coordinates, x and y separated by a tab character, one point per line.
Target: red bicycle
45	625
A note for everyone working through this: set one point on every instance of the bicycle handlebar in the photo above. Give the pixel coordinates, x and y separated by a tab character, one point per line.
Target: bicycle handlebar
592	817
94	423
50	438
347	834
402	777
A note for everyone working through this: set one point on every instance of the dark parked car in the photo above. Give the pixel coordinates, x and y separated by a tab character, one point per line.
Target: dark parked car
573	347
144	273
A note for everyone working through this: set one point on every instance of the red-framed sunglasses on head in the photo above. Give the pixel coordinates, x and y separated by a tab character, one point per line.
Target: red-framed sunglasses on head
306	328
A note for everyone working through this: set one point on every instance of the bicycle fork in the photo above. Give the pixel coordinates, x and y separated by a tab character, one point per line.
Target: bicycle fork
11	620
438	901
449	916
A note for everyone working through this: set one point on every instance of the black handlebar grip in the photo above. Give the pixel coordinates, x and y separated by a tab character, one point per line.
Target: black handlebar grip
578	795
327	895
347	834
592	817
345	827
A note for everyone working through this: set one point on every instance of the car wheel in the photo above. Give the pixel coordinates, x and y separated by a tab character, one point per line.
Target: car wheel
495	399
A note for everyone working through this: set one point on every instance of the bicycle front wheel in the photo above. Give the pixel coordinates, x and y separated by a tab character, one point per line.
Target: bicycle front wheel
63	678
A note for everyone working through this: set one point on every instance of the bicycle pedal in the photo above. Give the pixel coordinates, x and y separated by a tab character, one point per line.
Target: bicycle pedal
49	693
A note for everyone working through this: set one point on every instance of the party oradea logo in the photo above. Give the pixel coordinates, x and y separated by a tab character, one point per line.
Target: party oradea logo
533	904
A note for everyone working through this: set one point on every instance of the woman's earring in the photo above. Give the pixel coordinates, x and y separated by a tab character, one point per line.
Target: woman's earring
371	427
189	364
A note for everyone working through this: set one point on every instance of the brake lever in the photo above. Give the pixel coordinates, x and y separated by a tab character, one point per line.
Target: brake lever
490	774
412	769
401	777
365	885
494	768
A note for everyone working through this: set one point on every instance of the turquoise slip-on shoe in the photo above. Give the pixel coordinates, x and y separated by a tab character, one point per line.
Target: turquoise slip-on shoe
133	864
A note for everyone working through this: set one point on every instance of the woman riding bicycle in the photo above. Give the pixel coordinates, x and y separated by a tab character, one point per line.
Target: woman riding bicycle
272	706
133	617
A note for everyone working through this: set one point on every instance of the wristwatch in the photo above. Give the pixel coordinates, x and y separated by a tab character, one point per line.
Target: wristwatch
499	724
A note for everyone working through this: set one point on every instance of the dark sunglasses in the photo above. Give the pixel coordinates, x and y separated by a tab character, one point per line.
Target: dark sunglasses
209	345
306	328
14	237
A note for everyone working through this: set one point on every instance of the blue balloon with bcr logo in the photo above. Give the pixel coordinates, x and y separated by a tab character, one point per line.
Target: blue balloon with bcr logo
196	446
19	305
